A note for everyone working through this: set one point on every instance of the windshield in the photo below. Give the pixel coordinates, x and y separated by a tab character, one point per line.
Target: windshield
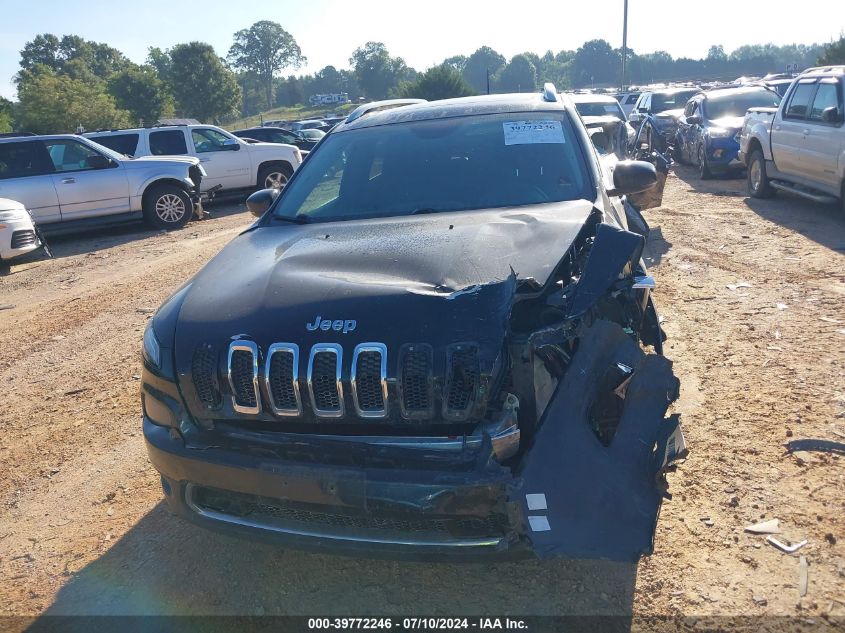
662	101
453	164
736	104
600	109
105	150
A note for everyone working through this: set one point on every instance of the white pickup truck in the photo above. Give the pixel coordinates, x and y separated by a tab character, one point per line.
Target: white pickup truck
800	146
230	163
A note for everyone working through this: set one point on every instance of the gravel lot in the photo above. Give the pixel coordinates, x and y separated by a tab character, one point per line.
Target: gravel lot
83	529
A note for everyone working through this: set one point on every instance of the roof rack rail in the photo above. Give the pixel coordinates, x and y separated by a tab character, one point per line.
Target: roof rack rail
376	106
549	92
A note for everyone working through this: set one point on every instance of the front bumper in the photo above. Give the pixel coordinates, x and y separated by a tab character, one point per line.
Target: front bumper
394	512
723	154
17	237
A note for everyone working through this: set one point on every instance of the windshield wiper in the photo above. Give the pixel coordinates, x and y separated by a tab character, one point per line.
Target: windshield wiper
297	219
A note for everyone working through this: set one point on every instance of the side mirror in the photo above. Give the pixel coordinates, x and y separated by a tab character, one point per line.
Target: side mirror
695	119
231	145
98	161
260	201
831	115
632	176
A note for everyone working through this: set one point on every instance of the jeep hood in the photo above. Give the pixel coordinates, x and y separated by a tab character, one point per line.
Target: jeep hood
436	278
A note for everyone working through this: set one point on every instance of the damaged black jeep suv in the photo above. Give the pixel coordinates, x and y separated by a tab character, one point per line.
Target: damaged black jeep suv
437	341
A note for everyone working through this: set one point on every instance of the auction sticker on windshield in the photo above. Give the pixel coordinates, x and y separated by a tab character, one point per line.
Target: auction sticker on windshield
532	132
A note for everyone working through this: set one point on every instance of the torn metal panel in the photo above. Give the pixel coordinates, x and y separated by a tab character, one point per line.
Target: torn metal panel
603	501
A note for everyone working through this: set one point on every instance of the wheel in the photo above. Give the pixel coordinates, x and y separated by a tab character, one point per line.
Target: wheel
758	181
274	176
703	167
168	207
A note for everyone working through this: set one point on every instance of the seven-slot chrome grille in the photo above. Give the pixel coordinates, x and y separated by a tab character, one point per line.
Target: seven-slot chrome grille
274	378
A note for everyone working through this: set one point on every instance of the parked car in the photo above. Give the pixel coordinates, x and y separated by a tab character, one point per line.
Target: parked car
310	124
428	351
780	86
230	163
628	100
708	133
313	134
666	106
798	147
69	180
276	135
17	231
594	105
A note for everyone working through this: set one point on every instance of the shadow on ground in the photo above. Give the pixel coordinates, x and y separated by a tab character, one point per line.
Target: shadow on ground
166	566
656	246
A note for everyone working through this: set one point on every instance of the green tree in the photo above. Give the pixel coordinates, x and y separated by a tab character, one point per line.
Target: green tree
439	82
139	90
483	61
53	103
71	55
203	87
834	53
596	62
377	72
265	49
458	62
6	114
291	92
519	75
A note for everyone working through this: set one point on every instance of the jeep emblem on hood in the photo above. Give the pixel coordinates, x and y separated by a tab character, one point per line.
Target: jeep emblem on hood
338	325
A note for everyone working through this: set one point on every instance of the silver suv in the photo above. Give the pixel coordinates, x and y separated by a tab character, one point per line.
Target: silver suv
69	179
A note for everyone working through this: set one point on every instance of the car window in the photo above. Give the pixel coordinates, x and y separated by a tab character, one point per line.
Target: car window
632	99
19	160
206	140
68	155
729	103
126	144
600	109
168	143
799	102
662	101
281	137
826	97
453	164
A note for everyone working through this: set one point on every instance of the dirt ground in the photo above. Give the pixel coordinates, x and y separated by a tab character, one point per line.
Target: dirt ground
753	297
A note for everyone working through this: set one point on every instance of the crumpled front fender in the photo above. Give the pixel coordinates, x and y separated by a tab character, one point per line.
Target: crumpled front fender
580	498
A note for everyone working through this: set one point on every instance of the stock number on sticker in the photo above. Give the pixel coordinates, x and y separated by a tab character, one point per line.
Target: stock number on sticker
349	624
533	132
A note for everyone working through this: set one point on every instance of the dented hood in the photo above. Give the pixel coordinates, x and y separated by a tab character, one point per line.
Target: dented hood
416	276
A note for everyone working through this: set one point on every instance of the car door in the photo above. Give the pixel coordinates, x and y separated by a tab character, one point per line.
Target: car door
824	142
25	169
790	128
225	160
88	183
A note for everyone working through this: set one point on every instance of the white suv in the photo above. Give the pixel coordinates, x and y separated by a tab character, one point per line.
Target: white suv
228	161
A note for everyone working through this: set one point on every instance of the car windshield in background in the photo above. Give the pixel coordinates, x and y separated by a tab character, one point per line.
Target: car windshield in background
454	164
662	101
736	104
600	109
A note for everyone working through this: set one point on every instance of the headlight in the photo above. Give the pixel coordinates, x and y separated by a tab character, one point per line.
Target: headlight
12	214
152	349
718	132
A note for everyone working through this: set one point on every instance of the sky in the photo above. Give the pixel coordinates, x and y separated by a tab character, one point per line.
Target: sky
423	33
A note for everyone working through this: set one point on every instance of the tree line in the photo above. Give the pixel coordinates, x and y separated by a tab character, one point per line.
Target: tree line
67	82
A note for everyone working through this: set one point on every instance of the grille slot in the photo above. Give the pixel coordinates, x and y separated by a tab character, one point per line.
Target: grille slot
243	376
204	375
415	381
281	375
369	380
462	381
23	238
324	383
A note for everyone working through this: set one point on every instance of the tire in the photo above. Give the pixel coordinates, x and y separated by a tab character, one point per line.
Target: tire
167	207
703	168
758	180
274	176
